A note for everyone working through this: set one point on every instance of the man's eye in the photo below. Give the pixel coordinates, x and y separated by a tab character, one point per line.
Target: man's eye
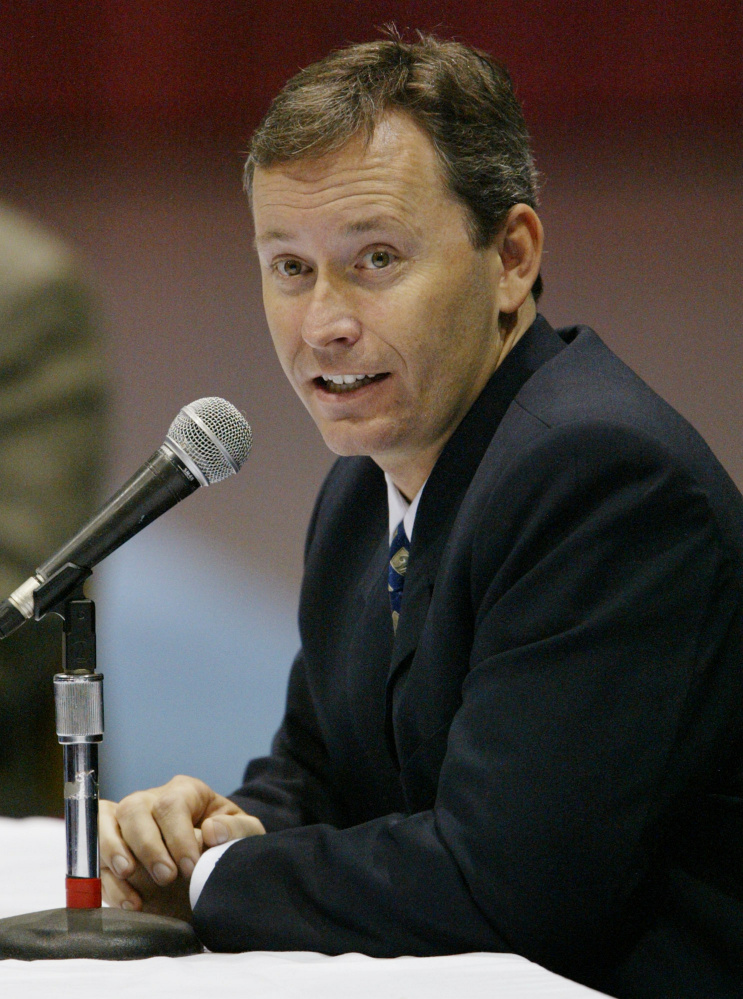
290	268
377	259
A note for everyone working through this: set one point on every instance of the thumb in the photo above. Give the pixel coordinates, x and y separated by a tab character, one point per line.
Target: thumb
221	828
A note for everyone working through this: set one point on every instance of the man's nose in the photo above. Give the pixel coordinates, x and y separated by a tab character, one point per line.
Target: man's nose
330	317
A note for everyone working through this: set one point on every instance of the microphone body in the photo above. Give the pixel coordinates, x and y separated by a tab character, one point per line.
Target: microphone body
208	441
158	485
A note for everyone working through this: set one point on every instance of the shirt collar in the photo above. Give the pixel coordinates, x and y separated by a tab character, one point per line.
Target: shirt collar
400	509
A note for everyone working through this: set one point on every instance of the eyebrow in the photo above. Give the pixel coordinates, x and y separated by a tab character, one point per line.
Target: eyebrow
352	229
369	225
271	236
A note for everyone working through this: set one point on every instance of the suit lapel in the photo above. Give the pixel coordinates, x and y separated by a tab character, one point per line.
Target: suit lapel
448	483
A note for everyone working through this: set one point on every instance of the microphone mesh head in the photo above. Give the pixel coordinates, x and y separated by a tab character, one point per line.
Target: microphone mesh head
215	435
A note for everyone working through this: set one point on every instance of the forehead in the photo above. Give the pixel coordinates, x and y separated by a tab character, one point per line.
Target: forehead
396	174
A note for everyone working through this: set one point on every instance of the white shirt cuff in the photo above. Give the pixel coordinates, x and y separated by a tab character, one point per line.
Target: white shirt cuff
204	867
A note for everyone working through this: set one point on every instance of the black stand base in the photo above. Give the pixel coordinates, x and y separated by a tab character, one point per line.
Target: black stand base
106	934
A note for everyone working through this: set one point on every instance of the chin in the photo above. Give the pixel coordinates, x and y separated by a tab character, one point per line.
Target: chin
344	448
346	443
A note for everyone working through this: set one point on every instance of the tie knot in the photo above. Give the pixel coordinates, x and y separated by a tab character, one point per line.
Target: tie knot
398	565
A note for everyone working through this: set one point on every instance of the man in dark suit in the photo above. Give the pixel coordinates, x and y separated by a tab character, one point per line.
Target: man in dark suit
514	723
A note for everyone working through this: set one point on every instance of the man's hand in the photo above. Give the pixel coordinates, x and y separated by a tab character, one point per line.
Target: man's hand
151	837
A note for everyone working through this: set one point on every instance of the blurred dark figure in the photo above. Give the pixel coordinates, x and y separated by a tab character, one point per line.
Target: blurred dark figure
52	403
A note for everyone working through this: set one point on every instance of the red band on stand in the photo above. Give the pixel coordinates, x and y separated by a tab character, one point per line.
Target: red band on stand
83	893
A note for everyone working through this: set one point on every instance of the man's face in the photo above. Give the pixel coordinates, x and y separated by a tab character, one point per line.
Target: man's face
384	317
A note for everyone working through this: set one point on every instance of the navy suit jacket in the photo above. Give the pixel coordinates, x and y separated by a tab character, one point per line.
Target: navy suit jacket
546	758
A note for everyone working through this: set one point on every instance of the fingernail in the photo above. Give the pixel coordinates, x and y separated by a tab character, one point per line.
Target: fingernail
120	865
129	906
221	832
162	874
187	866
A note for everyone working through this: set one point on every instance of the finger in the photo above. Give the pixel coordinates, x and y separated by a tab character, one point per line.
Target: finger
142	833
158	825
221	828
119	893
178	809
115	854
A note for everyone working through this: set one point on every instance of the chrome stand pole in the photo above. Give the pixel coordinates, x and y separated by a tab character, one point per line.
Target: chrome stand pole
79	707
78	700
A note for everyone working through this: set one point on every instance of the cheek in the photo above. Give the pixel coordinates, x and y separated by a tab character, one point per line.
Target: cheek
440	295
409	317
434	318
455	333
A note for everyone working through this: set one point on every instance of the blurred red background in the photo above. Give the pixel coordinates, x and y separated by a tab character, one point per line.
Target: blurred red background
212	65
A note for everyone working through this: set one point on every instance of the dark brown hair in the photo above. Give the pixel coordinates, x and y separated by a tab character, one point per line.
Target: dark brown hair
462	99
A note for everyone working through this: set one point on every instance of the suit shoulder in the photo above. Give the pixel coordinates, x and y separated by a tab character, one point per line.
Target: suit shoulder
587	384
586	408
587	380
349	477
353	489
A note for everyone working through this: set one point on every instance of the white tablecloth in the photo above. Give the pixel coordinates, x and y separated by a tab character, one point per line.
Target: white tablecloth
32	875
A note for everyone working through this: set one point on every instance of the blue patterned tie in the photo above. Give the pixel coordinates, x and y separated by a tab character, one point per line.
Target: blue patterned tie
399	547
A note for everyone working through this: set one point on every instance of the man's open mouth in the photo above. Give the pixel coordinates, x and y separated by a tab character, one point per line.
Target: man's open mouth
346	383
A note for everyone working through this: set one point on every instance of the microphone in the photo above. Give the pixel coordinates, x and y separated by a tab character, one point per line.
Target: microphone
208	441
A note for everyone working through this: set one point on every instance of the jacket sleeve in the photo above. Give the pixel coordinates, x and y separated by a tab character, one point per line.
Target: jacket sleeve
603	608
291	787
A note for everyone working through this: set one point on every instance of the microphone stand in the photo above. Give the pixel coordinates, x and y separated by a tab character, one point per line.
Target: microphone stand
83	929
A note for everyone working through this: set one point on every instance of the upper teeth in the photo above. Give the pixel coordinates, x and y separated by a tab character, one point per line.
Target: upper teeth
344	379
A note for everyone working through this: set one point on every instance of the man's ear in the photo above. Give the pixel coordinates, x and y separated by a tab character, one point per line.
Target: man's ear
519	244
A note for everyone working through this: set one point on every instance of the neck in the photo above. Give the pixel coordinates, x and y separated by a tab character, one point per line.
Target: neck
410	473
513	326
410	477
